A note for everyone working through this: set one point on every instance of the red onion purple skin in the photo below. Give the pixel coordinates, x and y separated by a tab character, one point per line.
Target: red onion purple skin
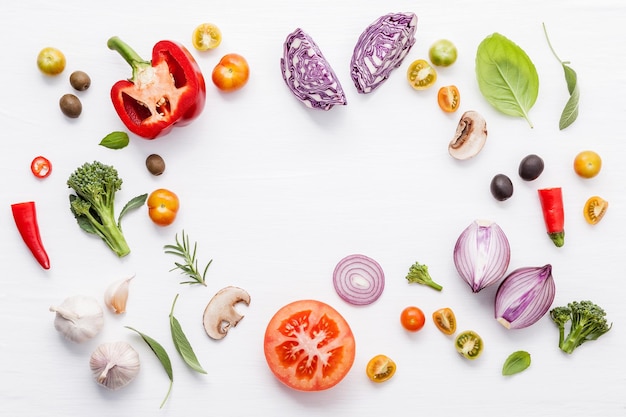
524	296
373	273
482	238
388	39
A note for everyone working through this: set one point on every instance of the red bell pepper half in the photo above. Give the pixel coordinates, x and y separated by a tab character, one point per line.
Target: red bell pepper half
166	91
25	215
552	206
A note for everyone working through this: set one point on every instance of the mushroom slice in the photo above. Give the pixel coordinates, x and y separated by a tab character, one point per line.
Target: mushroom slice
220	314
470	136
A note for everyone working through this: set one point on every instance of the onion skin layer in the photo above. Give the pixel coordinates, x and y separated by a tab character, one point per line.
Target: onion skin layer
524	296
482	254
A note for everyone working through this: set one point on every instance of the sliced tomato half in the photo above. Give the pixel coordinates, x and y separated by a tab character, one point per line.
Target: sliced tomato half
309	346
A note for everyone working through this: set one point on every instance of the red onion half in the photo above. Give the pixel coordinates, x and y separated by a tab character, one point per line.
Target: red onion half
482	254
358	280
524	296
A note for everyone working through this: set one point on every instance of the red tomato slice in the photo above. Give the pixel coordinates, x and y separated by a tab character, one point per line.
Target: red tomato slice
41	167
309	346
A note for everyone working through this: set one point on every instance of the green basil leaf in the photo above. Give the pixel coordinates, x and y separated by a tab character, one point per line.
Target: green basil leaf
182	343
134	203
162	355
115	140
516	363
506	76
570	77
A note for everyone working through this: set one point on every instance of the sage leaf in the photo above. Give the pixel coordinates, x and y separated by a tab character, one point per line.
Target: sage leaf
134	203
115	140
516	363
182	343
506	76
570	112
163	357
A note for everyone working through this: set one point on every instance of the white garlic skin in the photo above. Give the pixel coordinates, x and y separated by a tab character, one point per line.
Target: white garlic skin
116	295
114	365
79	318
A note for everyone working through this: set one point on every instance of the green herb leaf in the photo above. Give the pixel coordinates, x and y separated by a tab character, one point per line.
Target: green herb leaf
182	343
134	203
115	140
163	357
570	112
190	267
506	76
516	363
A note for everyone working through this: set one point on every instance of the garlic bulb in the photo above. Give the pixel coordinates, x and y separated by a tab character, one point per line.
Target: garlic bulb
114	365
116	295
78	318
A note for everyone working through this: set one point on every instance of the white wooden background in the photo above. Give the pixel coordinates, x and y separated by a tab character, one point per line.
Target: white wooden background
276	194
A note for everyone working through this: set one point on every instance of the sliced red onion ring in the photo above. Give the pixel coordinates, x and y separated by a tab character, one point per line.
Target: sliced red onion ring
524	296
358	279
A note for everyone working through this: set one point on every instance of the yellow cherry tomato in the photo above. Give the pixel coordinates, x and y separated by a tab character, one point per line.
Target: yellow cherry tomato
421	75
206	36
163	206
380	368
51	61
594	210
587	164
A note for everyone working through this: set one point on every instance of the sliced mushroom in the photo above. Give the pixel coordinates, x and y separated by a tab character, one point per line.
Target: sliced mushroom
220	314
470	136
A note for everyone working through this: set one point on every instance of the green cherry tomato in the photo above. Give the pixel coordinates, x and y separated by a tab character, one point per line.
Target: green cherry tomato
469	344
442	53
51	61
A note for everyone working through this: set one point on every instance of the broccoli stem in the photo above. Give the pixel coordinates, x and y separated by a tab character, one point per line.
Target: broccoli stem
572	341
419	274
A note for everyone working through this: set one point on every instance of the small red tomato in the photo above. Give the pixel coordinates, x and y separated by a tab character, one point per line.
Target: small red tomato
449	98
231	73
163	206
412	318
41	167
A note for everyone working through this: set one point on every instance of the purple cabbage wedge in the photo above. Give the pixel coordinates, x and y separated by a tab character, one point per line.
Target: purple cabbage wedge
381	48
307	73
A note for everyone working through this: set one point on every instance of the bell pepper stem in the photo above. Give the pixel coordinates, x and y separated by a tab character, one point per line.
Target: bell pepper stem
136	62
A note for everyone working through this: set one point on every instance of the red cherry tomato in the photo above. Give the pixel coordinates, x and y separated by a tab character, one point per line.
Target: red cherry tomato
309	346
412	318
231	73
41	167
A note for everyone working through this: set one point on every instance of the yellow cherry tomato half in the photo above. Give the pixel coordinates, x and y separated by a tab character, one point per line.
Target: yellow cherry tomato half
380	368
206	36
163	206
449	98
587	164
421	75
445	320
594	210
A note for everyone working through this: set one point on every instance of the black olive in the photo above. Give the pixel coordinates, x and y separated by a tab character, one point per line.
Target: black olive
80	80
501	187
155	164
71	105
530	167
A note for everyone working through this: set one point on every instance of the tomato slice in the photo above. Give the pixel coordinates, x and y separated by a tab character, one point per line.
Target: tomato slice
421	75
309	346
469	344
594	210
206	36
445	320
449	98
41	167
380	368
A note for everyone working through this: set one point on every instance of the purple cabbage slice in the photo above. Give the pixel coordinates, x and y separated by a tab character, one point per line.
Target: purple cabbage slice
308	75
381	48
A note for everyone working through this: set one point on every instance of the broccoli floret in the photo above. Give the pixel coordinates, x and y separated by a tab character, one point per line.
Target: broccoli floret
587	322
418	273
93	205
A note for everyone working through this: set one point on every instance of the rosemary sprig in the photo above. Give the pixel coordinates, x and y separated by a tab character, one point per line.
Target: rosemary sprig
183	250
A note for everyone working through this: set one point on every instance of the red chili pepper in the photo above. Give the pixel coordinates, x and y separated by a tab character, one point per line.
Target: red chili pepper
552	206
25	216
165	91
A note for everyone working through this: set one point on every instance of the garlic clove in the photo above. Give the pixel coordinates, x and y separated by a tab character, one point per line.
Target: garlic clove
116	295
78	318
114	365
